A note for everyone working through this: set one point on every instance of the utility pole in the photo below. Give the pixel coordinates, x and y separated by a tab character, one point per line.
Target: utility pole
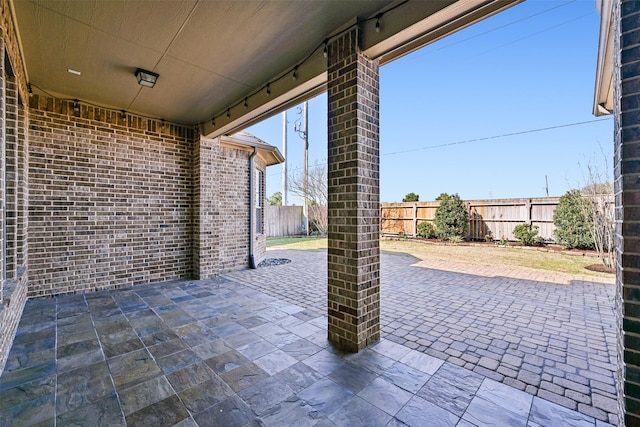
305	185
306	167
546	179
284	152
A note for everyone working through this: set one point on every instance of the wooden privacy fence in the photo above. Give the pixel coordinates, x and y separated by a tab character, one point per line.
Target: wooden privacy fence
496	218
283	221
289	220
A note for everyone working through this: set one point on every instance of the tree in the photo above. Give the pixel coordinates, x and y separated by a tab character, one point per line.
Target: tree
275	199
600	213
316	195
452	218
411	197
572	221
442	196
316	185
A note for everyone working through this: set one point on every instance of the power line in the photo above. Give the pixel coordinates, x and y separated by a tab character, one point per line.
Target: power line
536	33
497	28
486	138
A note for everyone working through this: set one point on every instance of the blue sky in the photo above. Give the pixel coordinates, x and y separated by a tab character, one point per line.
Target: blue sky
470	114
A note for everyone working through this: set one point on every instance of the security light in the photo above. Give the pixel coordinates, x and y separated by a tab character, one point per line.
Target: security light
146	78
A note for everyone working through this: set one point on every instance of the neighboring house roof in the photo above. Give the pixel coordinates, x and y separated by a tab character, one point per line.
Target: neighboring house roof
603	97
244	140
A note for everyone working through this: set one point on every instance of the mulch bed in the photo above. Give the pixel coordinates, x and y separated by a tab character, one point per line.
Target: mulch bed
601	268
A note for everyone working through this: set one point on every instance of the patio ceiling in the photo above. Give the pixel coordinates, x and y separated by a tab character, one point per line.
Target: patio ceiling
212	55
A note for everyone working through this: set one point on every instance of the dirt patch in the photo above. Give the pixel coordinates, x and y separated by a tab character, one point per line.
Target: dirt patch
601	268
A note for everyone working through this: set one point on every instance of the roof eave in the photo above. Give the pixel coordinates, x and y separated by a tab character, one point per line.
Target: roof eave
603	92
267	152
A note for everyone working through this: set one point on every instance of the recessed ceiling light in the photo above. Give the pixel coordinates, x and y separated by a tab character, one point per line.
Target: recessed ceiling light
72	71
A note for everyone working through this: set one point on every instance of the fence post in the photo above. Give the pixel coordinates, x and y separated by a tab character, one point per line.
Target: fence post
527	207
415	219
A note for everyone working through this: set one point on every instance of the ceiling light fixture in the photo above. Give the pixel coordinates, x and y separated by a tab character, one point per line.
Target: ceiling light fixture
268	89
228	114
378	23
295	73
146	78
246	103
72	71
324	51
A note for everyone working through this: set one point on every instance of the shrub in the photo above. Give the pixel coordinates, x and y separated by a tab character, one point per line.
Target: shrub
573	229
426	230
452	218
455	239
503	241
527	233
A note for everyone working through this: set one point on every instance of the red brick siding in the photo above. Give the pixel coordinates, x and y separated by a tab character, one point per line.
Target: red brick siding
110	199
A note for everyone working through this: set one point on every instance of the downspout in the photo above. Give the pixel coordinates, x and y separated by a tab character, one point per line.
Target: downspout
252	219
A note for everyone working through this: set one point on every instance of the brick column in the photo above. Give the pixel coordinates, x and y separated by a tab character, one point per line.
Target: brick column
627	189
354	196
206	210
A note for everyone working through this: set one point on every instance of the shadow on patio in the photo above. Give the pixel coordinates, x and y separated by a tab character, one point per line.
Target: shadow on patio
250	349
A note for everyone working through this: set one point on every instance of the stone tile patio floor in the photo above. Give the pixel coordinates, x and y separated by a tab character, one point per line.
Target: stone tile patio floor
221	353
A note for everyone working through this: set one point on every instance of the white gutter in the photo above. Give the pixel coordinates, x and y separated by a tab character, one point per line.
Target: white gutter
603	93
252	208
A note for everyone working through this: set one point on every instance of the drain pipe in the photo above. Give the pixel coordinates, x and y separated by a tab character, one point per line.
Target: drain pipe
252	219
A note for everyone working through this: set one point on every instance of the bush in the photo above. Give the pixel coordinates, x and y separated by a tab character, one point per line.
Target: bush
573	228
527	233
452	218
426	230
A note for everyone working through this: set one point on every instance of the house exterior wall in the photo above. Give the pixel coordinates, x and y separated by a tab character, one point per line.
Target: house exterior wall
14	143
110	199
627	196
232	188
221	200
206	215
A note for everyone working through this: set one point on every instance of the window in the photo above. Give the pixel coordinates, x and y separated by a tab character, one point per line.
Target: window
259	202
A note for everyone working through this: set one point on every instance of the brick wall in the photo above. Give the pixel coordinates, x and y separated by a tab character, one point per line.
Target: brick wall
627	188
206	215
221	230
110	198
14	143
233	193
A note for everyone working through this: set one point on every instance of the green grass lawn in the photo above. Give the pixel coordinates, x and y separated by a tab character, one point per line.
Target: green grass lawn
471	255
302	243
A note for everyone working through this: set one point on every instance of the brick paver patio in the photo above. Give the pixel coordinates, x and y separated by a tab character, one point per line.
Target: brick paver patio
551	335
458	350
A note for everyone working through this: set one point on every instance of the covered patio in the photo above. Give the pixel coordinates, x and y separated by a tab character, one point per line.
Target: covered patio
250	348
113	223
